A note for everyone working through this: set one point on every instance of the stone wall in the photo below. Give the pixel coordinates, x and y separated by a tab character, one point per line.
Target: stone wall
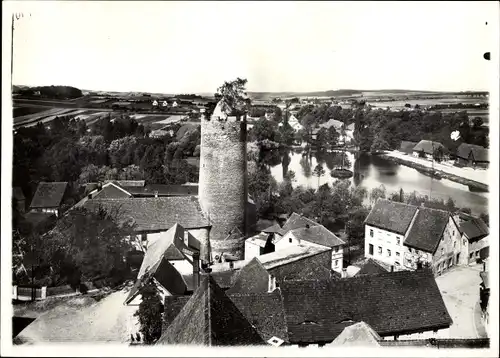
223	182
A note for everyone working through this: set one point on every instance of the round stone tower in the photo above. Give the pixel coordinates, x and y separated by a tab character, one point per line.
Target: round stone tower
223	181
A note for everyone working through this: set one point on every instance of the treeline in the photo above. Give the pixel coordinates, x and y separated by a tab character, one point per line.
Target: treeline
382	129
119	149
52	92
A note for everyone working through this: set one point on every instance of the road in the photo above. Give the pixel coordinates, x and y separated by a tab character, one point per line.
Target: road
460	290
479	175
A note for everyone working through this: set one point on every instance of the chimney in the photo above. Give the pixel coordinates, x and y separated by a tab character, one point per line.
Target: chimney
196	270
343	274
272	283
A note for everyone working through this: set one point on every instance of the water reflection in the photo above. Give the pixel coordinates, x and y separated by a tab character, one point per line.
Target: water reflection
371	172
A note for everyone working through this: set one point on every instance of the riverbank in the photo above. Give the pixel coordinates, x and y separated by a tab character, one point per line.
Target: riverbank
459	175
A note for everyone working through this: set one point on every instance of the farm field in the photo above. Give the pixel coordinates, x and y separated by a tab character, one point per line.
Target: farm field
49	115
24	111
426	102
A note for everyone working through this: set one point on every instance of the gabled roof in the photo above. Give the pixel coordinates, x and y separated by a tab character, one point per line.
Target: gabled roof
479	154
169	246
318	235
332	123
259	239
155	214
357	334
427	146
371	267
223	278
473	227
251	278
427	229
394	303
296	221
112	190
392	216
290	254
276	228
210	318
49	195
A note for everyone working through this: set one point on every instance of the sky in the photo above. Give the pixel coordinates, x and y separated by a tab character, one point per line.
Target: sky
193	47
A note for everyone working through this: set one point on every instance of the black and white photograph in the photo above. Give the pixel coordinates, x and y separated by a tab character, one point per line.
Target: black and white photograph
221	178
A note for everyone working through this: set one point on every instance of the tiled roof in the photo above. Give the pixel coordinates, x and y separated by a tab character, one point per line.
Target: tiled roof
223	278
169	246
318	235
296	221
311	272
276	228
333	123
473	227
163	190
252	278
49	195
357	334
264	224
265	312
290	254
371	267
427	229
427	146
391	216
259	239
155	214
210	318
392	303
112	191
479	153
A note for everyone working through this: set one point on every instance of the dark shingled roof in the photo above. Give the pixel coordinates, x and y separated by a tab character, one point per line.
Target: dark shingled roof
169	246
251	278
296	221
276	228
371	267
163	190
318	235
427	146
223	278
49	195
392	304
391	216
155	214
265	312
473	227
427	229
479	154
210	318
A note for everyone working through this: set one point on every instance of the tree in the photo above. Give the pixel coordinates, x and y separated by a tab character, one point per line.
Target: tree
319	171
377	193
150	312
131	172
378	145
233	96
486	218
438	154
355	227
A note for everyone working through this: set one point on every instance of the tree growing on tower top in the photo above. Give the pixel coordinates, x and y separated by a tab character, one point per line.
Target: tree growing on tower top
233	98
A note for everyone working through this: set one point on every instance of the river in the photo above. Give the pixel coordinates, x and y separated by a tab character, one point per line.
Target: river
372	171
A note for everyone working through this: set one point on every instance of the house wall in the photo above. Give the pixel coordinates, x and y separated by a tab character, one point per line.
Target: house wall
477	249
449	247
290	240
442	333
385	240
183	266
251	250
320	260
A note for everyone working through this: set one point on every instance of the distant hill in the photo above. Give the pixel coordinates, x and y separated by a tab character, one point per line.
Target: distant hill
52	92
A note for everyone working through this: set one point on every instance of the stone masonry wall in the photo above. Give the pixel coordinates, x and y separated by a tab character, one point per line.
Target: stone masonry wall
223	182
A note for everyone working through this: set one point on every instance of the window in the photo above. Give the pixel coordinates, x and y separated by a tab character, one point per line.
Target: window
370	249
371	233
397	263
410	250
442	251
454	244
290	240
397	254
471	255
442	238
336	249
380	250
477	253
453	232
388	253
416	251
398	241
336	263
